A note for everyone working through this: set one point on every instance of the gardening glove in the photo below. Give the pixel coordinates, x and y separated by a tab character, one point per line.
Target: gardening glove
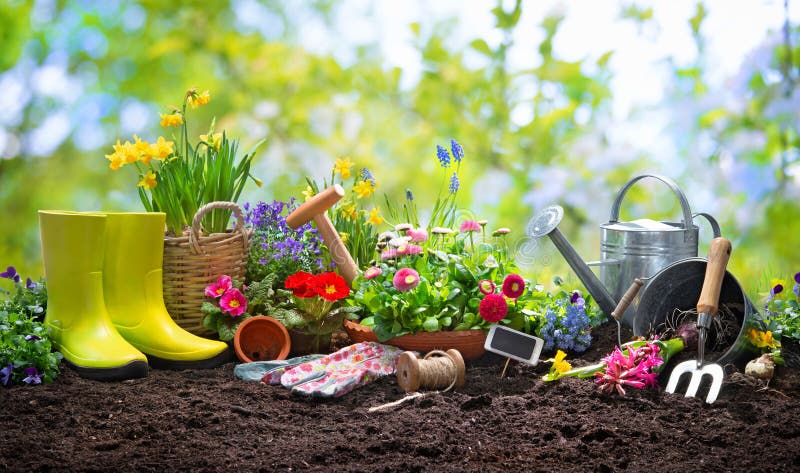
269	372
339	373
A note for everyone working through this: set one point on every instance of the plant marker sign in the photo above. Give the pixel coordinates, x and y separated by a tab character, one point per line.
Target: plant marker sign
514	344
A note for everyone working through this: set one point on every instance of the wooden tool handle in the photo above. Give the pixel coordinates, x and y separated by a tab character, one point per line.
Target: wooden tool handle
345	265
718	255
627	298
318	204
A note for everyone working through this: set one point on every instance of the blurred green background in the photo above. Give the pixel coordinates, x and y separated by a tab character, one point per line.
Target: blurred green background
552	104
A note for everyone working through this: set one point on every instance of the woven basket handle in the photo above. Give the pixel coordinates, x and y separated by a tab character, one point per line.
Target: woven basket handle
194	234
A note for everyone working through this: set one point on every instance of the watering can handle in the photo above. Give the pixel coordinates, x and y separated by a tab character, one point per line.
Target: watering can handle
714	225
687	213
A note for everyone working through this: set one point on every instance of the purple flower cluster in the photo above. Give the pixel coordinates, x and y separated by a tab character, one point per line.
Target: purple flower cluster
276	248
567	326
32	375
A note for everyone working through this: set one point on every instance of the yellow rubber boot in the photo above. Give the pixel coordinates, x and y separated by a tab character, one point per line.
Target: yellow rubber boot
72	251
132	285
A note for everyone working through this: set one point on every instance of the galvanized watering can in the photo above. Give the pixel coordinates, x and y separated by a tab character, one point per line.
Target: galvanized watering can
628	250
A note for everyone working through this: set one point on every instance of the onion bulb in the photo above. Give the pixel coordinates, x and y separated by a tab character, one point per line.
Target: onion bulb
762	367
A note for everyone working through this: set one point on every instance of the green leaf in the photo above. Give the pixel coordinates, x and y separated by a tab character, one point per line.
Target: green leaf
481	46
431	324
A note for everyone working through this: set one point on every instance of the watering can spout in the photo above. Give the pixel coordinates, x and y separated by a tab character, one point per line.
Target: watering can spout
546	223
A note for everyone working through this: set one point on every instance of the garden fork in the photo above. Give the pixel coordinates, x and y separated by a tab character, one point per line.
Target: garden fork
707	306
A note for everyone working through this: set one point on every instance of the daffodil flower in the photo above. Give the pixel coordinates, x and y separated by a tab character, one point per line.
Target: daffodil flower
364	189
194	99
308	193
171	119
213	139
161	149
342	166
148	181
374	217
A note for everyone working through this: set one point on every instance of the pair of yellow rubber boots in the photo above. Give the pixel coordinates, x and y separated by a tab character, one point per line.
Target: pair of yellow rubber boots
105	305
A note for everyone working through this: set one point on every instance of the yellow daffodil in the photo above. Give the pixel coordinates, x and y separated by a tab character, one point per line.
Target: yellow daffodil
308	193
143	149
148	181
129	153
213	139
116	161
559	364
342	167
171	119
344	236
374	217
364	189
161	149
194	99
348	211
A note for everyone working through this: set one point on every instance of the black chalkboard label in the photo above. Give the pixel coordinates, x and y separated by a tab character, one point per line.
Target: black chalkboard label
514	344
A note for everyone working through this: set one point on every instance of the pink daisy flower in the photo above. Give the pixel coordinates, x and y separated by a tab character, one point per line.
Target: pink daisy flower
469	226
486	286
493	308
391	253
372	272
405	279
417	235
513	286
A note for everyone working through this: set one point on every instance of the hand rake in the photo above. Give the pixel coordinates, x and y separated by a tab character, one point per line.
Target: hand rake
707	306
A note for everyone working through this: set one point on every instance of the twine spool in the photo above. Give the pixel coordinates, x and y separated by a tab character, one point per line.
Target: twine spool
438	369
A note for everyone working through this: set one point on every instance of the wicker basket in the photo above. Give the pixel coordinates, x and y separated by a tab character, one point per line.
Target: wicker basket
193	261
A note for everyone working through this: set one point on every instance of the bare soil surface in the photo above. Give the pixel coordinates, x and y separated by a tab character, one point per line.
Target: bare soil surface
206	420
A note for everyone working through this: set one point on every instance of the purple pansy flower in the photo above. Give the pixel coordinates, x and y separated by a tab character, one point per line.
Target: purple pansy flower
5	374
32	338
30	285
11	273
32	376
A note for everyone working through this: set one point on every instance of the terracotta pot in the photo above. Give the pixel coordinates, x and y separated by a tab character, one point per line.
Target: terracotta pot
304	343
468	342
261	338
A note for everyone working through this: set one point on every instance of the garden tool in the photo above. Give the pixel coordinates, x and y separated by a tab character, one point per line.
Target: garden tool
132	283
339	373
80	327
636	249
707	306
623	304
314	209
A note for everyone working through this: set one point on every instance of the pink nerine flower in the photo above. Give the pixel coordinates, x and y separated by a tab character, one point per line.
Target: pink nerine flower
513	286
634	369
405	279
417	235
233	303
372	272
219	288
469	226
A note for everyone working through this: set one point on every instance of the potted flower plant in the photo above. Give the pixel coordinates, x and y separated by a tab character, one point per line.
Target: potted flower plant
311	315
455	277
782	317
196	183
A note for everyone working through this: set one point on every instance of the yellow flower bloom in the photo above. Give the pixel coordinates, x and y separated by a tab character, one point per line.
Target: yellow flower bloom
143	149
343	236
364	189
308	193
148	181
161	149
116	161
171	119
761	339
214	140
342	167
130	154
374	217
559	364
348	211
194	99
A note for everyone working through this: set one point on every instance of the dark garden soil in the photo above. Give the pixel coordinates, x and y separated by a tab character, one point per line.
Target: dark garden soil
209	421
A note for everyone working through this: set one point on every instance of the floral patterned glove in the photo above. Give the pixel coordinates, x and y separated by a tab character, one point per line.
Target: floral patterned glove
269	372
339	373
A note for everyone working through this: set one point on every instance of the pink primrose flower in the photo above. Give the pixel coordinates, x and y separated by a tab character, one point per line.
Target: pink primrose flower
233	302
219	288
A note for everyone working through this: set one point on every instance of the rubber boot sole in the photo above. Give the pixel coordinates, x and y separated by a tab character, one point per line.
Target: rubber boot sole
213	362
132	370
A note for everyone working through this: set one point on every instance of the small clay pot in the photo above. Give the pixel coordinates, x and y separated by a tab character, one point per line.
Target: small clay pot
261	338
